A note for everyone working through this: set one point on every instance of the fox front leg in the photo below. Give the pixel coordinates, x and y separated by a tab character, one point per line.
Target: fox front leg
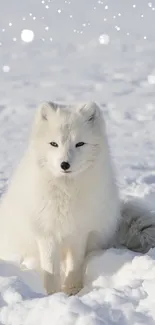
74	266
50	264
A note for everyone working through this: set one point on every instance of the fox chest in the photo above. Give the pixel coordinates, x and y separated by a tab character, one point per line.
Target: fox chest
66	214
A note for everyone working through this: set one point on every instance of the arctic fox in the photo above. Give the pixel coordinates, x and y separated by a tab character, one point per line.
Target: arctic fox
62	201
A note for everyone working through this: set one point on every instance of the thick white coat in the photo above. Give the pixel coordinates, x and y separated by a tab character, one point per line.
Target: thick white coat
54	217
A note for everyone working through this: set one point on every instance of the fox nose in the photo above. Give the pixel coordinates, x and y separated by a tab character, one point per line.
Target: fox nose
65	165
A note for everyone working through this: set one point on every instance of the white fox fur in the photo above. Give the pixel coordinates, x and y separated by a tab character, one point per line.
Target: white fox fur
57	217
137	227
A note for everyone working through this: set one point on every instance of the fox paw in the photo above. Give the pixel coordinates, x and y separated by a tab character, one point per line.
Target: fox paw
72	290
51	283
51	292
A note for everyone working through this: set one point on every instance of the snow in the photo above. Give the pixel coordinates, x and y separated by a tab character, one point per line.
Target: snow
150	4
6	68
104	39
119	289
151	79
67	63
27	35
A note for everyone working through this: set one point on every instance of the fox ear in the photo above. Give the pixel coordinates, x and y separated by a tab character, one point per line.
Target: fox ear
46	108
91	111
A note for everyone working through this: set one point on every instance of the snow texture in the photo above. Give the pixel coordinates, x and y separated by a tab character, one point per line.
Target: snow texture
82	50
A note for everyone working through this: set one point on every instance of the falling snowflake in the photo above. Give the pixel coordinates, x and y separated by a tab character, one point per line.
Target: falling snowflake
117	28
27	35
6	68
150	4
104	39
151	79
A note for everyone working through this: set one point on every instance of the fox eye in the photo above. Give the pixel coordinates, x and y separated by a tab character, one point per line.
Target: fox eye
79	144
54	144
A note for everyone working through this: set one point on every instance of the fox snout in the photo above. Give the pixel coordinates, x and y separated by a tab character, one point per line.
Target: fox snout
65	165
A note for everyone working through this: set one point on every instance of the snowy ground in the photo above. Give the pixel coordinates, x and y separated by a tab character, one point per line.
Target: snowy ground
66	62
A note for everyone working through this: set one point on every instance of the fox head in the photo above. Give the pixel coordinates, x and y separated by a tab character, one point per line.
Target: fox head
68	140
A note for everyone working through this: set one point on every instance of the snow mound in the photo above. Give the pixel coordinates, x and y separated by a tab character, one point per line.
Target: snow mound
119	289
